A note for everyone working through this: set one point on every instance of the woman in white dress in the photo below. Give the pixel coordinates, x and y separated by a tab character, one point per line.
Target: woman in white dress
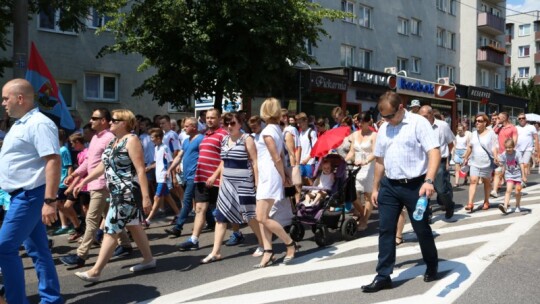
270	188
361	153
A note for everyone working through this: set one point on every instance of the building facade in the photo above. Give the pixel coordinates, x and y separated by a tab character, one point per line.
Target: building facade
523	46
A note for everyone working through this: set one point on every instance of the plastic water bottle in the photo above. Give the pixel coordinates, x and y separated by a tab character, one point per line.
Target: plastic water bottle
169	183
421	206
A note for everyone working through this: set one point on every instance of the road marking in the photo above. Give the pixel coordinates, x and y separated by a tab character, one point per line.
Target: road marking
463	271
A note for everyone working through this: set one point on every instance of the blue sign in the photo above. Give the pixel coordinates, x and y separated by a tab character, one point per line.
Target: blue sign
417	86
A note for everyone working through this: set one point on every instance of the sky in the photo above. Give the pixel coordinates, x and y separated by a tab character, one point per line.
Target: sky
521	6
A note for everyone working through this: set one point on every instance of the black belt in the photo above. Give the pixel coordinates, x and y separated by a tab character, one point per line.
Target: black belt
16	191
418	179
443	159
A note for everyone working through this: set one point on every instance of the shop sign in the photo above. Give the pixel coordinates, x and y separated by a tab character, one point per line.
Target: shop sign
480	94
415	87
327	81
445	92
384	80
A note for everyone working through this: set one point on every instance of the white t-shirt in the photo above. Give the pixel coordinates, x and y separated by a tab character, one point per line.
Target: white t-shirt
461	142
445	136
294	133
163	157
307	141
525	141
326	181
479	157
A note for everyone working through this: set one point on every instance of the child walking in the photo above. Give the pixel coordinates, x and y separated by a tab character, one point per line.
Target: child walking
514	174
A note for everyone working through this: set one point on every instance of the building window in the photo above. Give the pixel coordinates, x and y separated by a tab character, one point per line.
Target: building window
453	7
364	16
102	87
415	27
96	20
403	26
441	5
523	72
347	7
524	30
364	58
498	81
439	68
450	40
401	64
68	92
347	55
416	65
524	51
451	73
48	20
440	36
484	78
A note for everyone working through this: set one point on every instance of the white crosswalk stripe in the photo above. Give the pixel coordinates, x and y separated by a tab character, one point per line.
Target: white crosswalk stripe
461	272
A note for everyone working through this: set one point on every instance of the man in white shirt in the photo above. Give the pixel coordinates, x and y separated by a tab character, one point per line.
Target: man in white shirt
527	141
308	138
172	141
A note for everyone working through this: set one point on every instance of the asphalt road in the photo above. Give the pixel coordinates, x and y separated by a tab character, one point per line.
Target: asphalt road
485	257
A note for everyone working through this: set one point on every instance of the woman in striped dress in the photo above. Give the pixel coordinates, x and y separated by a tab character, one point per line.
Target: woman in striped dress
236	198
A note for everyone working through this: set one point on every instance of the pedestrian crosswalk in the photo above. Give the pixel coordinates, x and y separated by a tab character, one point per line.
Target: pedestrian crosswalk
466	248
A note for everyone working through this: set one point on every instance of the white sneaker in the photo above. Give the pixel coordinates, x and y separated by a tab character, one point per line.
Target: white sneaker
141	267
494	194
509	209
258	252
518	209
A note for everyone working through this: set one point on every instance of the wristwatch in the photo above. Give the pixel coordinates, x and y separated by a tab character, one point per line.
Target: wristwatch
49	201
429	181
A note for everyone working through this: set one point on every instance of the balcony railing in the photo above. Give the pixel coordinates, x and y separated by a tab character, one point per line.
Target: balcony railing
536	79
508	39
491	23
507	61
489	57
537	36
537	57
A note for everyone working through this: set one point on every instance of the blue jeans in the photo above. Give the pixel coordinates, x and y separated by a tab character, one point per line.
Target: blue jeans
392	197
23	225
187	206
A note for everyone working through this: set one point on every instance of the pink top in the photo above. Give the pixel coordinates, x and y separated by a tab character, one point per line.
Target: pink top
93	158
81	157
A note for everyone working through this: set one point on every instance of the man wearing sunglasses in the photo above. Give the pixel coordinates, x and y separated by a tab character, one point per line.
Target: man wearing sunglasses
527	141
504	131
407	158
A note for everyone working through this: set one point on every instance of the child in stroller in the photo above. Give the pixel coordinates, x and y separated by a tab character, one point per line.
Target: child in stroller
323	183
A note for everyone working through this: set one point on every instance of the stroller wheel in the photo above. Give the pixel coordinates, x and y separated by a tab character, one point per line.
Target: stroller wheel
297	232
321	236
348	229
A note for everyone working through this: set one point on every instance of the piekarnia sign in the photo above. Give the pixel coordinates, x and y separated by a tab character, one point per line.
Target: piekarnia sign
422	88
328	81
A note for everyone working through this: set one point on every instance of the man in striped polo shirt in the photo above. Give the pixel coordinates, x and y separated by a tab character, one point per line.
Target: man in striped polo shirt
205	194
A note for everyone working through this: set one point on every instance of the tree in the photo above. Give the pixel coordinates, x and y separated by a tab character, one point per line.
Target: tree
72	17
217	47
525	89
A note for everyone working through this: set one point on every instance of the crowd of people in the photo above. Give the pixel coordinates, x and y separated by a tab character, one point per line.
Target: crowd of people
114	175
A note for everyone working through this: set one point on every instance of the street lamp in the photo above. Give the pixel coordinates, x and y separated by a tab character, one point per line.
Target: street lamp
303	66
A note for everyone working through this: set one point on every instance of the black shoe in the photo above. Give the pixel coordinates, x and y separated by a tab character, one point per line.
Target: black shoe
378	284
430	275
72	260
121	251
173	231
449	213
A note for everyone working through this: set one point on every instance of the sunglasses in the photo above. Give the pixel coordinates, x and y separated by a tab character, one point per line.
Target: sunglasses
230	123
389	116
521	118
94	118
115	121
480	120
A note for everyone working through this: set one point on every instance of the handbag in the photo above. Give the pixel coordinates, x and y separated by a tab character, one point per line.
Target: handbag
492	164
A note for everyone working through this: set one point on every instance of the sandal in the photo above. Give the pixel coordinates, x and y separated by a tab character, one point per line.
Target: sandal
287	260
399	240
486	205
210	259
270	260
470	207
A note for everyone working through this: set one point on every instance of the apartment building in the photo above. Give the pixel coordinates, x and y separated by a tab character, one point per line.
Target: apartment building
523	46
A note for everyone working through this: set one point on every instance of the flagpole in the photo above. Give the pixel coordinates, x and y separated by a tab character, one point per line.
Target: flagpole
20	38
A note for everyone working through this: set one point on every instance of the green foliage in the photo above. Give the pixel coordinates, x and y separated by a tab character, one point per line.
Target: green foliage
217	47
525	89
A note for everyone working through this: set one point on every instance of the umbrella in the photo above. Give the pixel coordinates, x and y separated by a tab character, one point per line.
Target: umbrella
330	139
532	117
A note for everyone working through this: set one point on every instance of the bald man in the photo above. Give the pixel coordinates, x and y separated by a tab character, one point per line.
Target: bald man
30	173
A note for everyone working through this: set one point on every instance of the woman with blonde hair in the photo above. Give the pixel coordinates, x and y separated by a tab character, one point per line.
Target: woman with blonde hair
122	163
270	187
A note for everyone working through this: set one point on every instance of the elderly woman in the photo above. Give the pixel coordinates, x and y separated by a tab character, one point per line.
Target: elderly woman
236	198
122	163
270	187
480	155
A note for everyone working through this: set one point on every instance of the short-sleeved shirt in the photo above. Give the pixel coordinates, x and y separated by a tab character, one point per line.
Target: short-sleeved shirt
65	156
296	139
445	136
170	138
511	164
31	138
163	158
479	158
191	156
148	148
404	146
525	141
308	138
505	133
209	155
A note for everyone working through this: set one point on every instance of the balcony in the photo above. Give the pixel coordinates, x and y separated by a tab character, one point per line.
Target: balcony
537	36
536	79
507	61
508	39
537	57
491	24
489	57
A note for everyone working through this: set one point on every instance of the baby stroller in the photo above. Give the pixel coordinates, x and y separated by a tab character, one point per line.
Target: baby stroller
320	216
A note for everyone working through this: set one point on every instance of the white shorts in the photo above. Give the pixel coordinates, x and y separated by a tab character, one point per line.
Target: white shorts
525	156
